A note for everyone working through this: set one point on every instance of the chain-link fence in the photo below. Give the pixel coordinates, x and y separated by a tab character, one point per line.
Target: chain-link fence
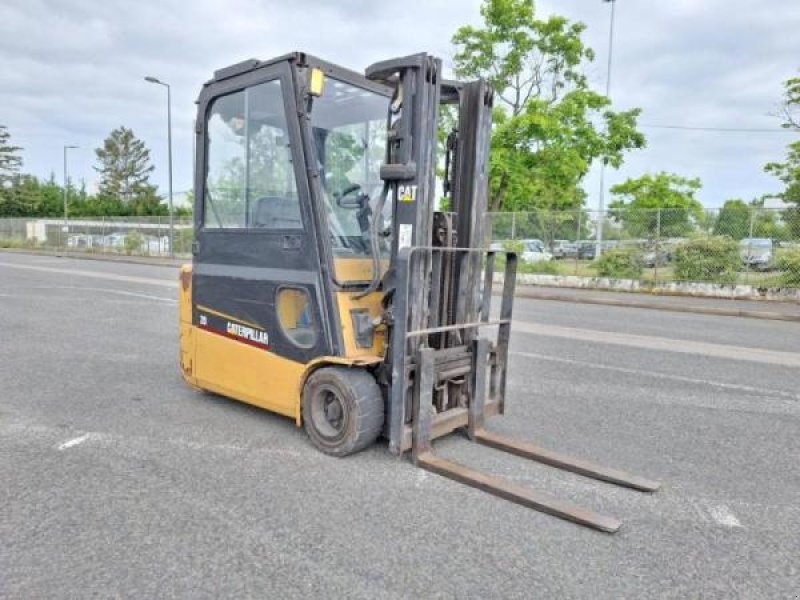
136	236
740	244
732	245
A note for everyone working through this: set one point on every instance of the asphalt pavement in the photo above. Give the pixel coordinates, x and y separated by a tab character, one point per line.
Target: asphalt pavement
120	481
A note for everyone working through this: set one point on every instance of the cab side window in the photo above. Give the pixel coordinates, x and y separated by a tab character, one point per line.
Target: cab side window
251	180
296	317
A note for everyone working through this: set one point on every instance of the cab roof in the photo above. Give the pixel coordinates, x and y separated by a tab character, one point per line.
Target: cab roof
298	58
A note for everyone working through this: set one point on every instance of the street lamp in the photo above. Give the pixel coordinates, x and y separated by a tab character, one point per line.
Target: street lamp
600	219
150	79
66	224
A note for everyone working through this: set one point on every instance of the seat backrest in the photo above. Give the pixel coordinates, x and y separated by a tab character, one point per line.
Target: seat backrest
277	212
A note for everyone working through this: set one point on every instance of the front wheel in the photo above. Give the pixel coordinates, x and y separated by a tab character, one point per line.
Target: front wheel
342	410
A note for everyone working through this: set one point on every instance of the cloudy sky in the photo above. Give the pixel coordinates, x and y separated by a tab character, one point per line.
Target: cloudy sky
73	69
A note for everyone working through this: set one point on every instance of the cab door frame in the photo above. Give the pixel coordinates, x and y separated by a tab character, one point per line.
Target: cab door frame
228	81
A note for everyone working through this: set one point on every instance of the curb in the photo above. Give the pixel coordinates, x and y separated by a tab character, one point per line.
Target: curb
132	260
521	292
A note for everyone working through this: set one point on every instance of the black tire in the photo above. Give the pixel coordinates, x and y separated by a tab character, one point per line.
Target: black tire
342	410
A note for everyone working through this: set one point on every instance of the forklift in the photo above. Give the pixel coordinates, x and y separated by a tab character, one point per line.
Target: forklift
326	287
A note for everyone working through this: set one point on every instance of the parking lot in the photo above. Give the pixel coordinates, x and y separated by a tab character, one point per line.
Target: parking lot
120	481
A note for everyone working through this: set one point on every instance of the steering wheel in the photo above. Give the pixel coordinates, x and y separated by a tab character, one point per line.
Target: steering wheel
356	202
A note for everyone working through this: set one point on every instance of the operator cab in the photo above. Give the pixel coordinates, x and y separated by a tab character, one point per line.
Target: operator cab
288	184
251	180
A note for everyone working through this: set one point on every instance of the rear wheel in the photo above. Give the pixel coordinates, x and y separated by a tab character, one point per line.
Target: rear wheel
342	410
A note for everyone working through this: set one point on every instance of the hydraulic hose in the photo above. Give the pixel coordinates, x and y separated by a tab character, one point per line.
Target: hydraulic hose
377	220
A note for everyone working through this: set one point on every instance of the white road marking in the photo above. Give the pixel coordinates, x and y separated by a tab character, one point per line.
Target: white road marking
723	515
105	290
647	342
138	442
96	275
135	295
75	441
642	372
674	502
422	477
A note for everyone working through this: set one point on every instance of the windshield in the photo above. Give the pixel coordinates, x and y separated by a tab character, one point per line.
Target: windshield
349	129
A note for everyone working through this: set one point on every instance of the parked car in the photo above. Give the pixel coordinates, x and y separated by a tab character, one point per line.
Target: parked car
535	251
757	253
532	250
563	249
652	258
79	241
587	250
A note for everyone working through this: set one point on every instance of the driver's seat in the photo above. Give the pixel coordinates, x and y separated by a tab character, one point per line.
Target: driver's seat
277	212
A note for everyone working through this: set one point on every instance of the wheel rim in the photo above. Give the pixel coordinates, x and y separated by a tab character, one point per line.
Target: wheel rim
328	413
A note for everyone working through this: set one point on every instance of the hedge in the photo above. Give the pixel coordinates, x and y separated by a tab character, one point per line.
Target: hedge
620	263
714	259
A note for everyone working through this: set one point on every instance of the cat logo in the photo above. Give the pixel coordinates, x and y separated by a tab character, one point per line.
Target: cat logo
407	193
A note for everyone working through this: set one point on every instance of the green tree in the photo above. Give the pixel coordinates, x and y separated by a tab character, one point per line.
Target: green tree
766	223
791	103
27	196
99	206
549	127
791	216
188	208
124	167
51	198
11	203
736	219
344	151
733	219
788	171
663	204
148	205
548	225
19	197
789	174
10	160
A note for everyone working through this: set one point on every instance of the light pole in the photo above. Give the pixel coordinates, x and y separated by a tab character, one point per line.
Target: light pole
66	224
169	150
600	218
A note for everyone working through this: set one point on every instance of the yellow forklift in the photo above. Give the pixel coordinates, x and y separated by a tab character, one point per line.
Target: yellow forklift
324	284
